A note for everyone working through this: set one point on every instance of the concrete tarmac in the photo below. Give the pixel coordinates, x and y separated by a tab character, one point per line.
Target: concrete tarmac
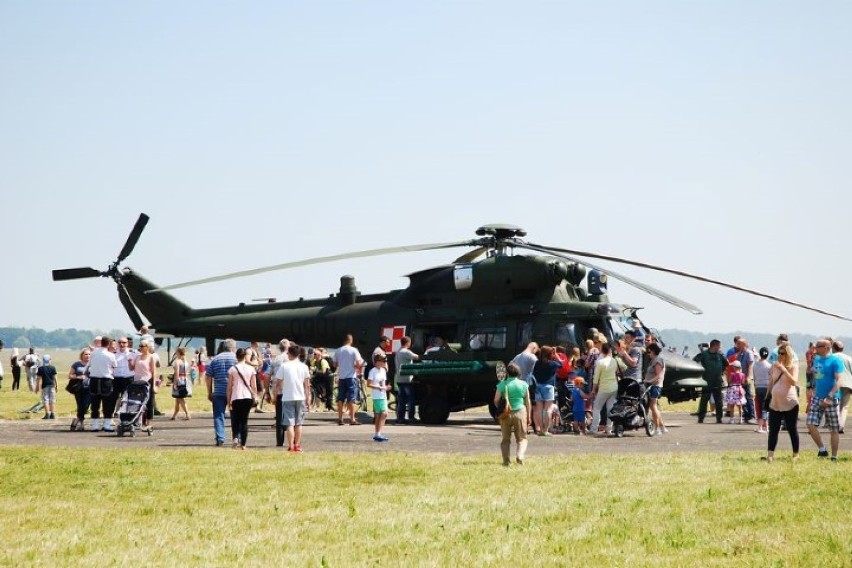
465	433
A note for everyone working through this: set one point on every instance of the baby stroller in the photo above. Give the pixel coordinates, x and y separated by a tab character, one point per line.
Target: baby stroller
630	411
131	414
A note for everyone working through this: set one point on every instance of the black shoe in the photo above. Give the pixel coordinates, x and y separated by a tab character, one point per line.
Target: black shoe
220	442
701	421
822	454
718	421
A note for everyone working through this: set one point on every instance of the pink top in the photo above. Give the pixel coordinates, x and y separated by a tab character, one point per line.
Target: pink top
239	388
143	368
735	379
784	396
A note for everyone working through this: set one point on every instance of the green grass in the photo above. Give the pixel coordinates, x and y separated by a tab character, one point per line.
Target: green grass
216	507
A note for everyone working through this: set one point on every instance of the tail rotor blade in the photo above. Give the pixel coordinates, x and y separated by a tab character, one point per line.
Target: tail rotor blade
129	307
133	238
75	273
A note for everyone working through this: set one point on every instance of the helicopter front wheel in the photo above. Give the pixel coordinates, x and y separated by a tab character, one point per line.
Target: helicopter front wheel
434	410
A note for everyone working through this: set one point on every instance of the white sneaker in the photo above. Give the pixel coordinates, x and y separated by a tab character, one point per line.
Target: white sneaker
664	430
659	433
96	424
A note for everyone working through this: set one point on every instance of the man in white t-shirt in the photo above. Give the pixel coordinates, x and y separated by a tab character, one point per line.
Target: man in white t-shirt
101	374
349	363
293	385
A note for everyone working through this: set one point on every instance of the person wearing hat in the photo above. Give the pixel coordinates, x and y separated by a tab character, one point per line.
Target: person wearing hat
377	380
742	352
735	395
46	384
761	386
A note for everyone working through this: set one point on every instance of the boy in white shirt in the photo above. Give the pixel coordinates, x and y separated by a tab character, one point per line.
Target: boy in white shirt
377	381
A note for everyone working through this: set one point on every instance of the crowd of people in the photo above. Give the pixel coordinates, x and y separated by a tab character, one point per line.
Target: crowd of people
744	386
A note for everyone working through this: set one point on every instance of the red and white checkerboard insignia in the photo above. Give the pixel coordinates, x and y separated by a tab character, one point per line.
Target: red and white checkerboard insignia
396	333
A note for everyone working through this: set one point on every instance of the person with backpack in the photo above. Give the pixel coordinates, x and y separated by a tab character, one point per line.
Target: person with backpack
516	419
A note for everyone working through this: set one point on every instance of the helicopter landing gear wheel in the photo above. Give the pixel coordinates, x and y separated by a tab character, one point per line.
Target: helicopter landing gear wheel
619	430
434	410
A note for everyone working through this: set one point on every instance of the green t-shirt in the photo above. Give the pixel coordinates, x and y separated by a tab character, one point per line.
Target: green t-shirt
714	365
518	390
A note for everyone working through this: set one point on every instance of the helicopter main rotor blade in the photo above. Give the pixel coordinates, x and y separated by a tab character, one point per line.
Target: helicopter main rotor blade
133	238
129	307
683	304
687	275
317	260
75	273
471	256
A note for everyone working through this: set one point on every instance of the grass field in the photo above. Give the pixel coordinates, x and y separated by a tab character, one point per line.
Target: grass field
207	507
87	507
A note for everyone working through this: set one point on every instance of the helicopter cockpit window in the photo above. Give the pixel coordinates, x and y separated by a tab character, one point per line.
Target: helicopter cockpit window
566	334
487	338
620	325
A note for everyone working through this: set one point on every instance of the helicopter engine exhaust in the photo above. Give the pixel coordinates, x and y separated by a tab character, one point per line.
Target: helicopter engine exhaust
348	291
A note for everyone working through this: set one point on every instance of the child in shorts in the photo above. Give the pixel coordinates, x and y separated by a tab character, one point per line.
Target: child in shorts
578	405
379	387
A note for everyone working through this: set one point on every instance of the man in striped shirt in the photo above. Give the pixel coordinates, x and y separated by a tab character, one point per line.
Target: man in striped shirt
216	377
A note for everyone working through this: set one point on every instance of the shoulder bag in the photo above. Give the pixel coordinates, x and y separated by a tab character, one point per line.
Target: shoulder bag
504	409
254	401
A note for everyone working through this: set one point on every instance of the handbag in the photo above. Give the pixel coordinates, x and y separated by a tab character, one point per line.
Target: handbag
74	386
504	409
254	401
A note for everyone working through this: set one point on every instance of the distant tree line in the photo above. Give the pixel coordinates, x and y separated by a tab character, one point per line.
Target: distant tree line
26	337
681	338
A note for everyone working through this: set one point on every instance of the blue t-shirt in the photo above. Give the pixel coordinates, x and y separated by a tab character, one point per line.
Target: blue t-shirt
577	402
825	372
79	369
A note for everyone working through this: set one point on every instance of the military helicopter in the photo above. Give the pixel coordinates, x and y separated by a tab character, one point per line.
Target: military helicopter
485	306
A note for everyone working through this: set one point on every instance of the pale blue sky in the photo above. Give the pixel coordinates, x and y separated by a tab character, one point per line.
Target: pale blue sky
707	136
